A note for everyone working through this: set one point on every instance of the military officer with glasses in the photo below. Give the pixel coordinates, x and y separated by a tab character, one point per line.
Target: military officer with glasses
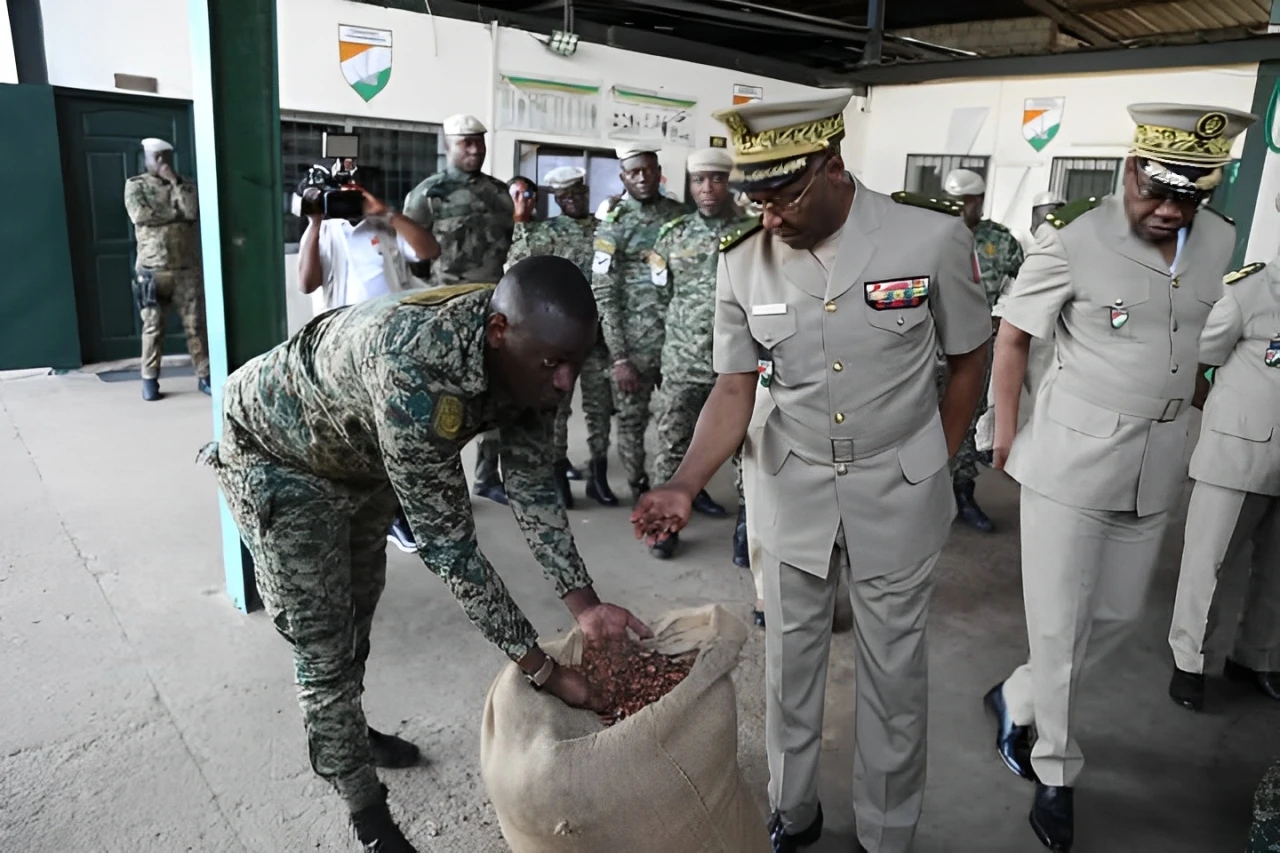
1127	283
835	303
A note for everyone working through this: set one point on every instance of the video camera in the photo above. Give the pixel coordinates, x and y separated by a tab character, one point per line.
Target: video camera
340	198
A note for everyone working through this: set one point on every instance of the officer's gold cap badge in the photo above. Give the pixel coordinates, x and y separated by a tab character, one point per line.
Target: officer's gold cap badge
773	140
1184	146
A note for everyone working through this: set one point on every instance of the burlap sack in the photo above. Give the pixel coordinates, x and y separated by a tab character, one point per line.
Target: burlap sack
665	780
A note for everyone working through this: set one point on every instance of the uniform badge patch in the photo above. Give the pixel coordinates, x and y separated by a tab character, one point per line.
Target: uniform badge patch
603	258
1119	316
658	269
765	368
448	417
1272	356
990	249
897	293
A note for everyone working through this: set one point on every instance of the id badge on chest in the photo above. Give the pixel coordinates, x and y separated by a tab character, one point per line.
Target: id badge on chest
764	367
1272	356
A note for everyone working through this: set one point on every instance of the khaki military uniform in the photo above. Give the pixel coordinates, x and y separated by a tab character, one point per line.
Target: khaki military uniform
1236	466
167	272
1102	460
853	478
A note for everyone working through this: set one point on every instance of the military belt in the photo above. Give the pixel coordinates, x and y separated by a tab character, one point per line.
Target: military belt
820	448
1159	409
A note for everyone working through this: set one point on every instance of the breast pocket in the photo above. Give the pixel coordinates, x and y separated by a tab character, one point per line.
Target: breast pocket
897	305
770	330
1119	303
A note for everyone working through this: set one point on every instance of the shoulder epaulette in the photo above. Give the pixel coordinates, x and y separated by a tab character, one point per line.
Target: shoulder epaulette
612	215
670	225
1242	273
742	232
1220	215
441	295
1073	210
941	205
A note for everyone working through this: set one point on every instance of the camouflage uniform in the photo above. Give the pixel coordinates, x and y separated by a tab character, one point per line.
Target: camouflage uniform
366	406
569	238
999	259
631	291
471	217
168	271
690	248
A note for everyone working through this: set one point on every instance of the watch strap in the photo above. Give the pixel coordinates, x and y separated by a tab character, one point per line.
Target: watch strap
543	675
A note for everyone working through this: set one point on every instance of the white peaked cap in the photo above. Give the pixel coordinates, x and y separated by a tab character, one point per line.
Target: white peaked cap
153	145
962	182
463	125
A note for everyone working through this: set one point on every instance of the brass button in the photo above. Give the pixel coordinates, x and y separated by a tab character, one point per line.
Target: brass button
830	307
902	321
1119	301
767	336
839	417
837	367
1175	368
1176	282
842	468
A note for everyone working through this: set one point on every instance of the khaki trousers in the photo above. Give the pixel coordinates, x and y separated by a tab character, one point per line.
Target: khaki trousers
891	693
1085	575
751	492
184	290
1221	523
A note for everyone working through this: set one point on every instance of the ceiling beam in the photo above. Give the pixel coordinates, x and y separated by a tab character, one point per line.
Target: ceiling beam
1080	27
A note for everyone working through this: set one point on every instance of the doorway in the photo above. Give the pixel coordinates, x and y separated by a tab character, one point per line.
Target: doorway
100	135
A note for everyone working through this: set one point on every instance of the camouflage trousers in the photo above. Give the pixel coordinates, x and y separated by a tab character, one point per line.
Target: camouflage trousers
633	420
964	465
319	555
677	412
181	289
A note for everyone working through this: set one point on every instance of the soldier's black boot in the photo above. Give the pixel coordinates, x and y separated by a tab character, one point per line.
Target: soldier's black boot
151	390
377	831
570	471
202	384
970	513
639	487
703	503
666	548
392	752
741	555
598	482
562	483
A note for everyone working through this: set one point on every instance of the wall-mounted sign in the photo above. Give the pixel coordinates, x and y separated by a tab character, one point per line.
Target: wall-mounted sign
645	116
719	142
365	58
1041	118
562	107
746	94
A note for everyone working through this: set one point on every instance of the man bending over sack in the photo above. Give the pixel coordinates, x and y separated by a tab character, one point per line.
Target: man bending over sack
371	405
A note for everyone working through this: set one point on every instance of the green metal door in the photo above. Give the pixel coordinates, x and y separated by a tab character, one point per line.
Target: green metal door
100	149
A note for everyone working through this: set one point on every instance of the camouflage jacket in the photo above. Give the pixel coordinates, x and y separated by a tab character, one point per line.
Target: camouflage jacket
562	236
630	283
391	390
471	218
164	218
999	258
690	248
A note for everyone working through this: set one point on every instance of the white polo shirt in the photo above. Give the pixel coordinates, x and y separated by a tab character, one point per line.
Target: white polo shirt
361	262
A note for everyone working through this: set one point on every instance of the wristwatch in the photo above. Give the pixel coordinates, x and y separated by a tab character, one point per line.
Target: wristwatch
543	675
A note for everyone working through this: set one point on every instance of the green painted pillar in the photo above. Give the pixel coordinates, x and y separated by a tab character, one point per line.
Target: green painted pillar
1244	194
237	123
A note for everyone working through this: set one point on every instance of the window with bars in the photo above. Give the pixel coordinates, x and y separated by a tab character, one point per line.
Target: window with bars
394	158
1083	177
926	172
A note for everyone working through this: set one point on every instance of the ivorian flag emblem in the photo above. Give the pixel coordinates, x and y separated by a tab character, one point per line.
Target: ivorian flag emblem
365	58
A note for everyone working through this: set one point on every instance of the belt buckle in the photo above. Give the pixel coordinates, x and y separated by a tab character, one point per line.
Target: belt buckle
1176	405
842	454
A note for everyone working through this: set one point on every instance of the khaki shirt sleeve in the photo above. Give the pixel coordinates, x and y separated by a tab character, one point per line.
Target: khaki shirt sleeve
1042	288
734	350
606	286
528	475
426	472
1222	331
958	303
140	204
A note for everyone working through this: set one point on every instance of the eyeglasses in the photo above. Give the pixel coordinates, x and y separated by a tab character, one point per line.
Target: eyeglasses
757	208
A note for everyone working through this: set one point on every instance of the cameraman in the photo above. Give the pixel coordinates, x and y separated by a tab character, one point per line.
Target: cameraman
359	258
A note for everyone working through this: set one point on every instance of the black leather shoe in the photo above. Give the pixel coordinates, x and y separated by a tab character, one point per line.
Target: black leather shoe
151	390
784	842
401	536
1268	683
493	491
757	616
1187	689
969	511
741	554
703	503
392	752
598	482
1013	742
666	548
571	472
639	487
1053	817
202	384
562	483
376	830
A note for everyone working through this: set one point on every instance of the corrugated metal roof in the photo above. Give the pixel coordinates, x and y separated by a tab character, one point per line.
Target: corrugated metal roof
1152	20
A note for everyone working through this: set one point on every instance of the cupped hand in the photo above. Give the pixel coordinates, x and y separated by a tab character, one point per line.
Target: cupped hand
603	623
661	512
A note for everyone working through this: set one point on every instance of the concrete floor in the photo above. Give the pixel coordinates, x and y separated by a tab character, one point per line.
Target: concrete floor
142	713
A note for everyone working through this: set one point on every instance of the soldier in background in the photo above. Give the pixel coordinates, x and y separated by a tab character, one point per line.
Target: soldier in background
999	258
687	253
1236	499
164	210
471	215
630	285
1043	206
570	235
